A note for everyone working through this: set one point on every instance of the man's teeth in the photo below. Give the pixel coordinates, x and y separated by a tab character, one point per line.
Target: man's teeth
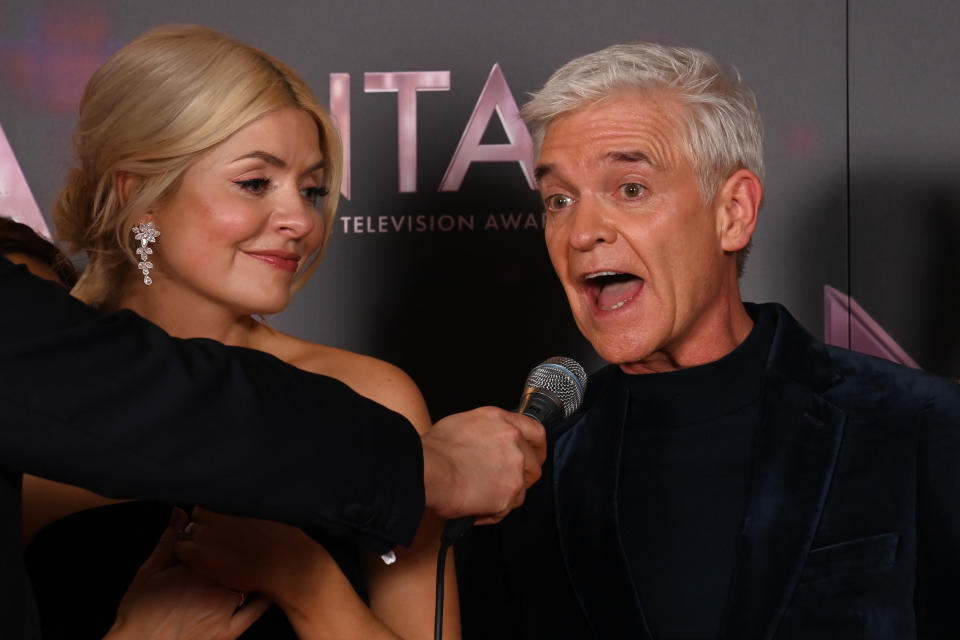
614	289
616	306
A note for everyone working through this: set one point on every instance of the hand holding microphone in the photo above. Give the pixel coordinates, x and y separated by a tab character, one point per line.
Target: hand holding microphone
553	391
480	463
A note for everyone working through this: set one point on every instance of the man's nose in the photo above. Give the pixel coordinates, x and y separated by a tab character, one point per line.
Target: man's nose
590	225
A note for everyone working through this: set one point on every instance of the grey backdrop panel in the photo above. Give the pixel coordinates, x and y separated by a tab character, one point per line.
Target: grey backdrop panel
904	192
468	313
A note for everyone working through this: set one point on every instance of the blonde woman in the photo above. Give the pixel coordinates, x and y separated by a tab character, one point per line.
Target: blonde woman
205	191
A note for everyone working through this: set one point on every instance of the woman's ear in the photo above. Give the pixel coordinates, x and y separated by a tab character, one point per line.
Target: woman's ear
739	203
126	184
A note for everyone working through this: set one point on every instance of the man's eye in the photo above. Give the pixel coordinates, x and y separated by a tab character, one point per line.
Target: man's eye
632	190
255	186
314	195
558	202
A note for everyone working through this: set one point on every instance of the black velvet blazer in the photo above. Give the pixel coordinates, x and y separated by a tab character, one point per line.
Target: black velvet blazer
852	529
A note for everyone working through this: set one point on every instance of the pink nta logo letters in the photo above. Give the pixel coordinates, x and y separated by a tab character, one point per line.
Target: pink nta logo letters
16	199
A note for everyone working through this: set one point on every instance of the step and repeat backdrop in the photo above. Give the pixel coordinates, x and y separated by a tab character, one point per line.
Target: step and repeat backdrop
437	262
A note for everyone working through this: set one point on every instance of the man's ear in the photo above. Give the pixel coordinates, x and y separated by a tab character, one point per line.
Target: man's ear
737	207
126	184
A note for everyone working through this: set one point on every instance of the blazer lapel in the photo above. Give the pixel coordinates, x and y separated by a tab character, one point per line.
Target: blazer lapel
796	449
586	470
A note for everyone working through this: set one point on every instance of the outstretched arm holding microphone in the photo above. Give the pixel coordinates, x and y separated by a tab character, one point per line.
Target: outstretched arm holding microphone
114	404
231	402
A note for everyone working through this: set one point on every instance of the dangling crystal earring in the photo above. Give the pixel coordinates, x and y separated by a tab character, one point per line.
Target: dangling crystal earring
145	233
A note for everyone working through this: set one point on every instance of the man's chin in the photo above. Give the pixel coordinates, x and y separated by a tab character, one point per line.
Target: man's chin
627	355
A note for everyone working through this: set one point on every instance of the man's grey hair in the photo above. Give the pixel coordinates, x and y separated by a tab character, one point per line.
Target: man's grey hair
724	131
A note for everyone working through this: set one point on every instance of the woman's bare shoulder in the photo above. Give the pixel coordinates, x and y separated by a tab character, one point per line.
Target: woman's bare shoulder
45	501
380	381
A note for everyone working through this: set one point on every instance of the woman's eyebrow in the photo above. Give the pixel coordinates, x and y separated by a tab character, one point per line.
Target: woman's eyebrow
269	158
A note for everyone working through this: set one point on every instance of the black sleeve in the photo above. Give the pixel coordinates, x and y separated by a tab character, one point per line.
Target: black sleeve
114	404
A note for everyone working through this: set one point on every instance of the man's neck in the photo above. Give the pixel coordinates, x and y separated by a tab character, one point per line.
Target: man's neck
713	337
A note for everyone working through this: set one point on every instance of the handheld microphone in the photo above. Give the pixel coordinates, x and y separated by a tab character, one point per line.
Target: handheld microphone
553	391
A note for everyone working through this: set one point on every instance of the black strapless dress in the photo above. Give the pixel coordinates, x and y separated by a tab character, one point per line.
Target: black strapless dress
80	567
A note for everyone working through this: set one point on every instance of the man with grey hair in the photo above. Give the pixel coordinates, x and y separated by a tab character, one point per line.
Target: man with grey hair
729	476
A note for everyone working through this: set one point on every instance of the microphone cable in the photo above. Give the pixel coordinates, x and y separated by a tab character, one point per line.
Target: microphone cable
441	569
451	533
553	391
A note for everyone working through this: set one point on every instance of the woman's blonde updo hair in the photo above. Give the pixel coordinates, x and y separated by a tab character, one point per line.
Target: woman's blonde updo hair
150	111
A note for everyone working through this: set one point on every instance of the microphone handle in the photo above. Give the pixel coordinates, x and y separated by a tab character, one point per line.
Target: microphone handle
542	406
455	528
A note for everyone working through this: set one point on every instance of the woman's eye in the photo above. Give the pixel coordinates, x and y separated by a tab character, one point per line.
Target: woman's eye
255	186
557	202
314	195
632	190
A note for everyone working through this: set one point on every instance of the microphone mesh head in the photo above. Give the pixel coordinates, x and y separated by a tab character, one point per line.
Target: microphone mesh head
564	377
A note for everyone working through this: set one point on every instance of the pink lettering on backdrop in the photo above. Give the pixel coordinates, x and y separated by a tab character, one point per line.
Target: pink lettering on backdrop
340	110
846	324
16	199
496	96
406	84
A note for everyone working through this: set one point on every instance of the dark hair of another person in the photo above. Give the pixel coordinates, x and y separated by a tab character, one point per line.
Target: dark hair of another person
16	237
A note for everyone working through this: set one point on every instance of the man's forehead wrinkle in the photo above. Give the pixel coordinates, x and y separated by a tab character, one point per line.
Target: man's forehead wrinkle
632	157
627	134
623	142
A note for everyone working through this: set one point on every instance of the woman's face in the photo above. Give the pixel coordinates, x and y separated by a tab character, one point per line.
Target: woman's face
247	216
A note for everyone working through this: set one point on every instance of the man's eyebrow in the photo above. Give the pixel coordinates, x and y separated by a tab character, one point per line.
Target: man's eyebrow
631	157
541	171
271	159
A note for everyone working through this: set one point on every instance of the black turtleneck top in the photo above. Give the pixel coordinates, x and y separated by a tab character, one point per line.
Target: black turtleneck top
684	480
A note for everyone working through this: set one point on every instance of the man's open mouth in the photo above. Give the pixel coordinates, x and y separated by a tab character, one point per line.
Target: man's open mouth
612	289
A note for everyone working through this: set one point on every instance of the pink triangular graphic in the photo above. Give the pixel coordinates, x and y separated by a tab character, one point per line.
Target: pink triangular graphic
16	199
846	324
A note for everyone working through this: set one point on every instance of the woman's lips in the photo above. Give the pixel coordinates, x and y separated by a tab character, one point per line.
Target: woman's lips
279	259
611	290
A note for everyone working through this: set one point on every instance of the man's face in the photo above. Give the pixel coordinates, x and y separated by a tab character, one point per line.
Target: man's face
638	252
